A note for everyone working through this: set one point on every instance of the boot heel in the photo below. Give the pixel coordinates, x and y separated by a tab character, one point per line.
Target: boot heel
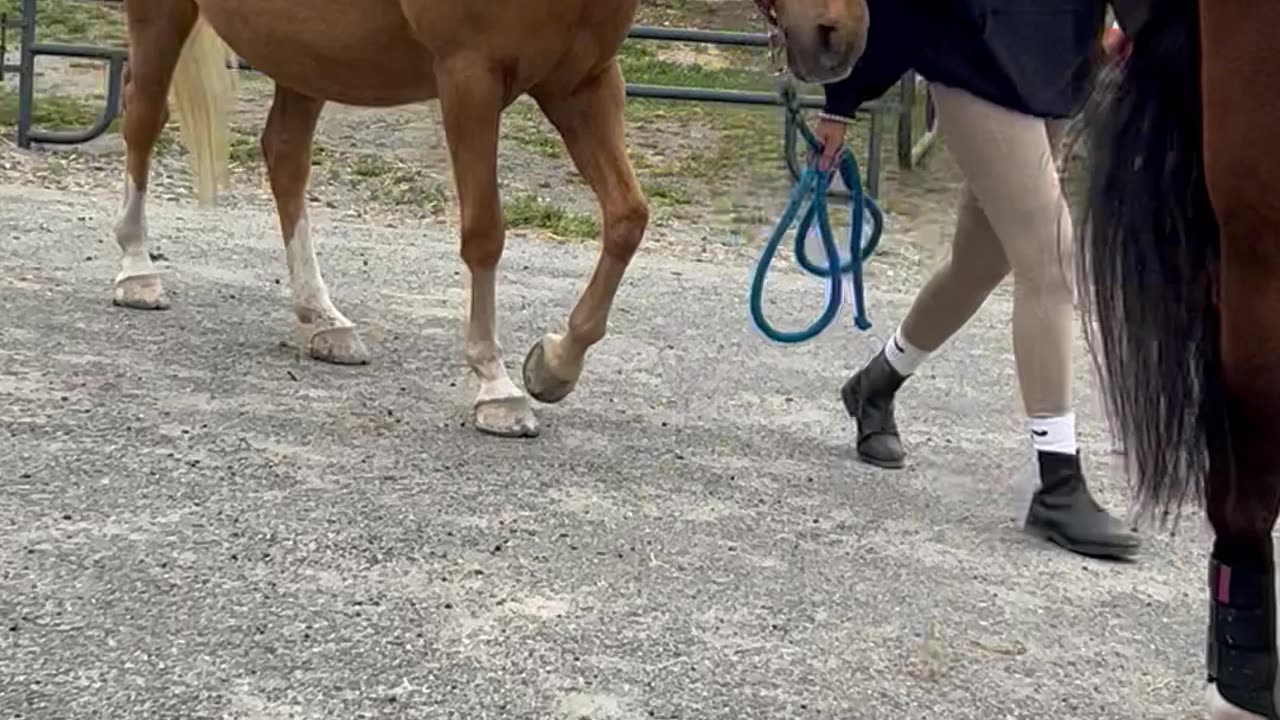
849	397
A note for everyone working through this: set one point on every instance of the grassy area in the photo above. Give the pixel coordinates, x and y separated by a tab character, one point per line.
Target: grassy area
49	111
528	211
727	68
70	21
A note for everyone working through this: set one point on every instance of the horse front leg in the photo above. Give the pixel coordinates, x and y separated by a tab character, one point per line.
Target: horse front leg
590	119
471	103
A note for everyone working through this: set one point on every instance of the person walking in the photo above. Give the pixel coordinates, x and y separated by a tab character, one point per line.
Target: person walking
1006	76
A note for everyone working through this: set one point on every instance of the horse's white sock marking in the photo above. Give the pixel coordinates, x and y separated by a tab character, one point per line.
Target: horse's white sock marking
131	233
501	407
483	351
311	303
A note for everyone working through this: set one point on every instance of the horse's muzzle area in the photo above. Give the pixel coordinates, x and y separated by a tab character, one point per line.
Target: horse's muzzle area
825	51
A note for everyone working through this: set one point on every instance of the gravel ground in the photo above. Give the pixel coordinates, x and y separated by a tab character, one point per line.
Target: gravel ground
197	523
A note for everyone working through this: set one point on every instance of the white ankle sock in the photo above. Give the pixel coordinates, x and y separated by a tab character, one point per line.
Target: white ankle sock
1054	434
902	355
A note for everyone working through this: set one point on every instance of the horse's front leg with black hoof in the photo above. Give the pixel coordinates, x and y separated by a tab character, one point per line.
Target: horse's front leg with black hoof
590	119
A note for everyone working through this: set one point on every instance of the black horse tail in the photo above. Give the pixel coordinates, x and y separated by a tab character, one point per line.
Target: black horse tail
1148	258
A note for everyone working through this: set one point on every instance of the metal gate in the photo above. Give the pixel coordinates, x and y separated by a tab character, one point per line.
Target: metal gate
901	107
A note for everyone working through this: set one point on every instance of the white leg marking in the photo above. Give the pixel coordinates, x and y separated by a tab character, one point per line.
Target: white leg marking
326	333
501	407
311	301
137	285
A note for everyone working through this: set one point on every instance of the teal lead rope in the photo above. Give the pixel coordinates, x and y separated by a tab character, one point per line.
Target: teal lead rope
812	187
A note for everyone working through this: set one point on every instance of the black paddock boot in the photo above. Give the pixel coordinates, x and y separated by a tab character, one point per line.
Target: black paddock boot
1064	512
868	398
1241	648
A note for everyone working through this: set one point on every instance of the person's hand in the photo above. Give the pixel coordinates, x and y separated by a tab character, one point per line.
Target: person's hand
830	134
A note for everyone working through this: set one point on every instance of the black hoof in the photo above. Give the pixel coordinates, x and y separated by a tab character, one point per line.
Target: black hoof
539	381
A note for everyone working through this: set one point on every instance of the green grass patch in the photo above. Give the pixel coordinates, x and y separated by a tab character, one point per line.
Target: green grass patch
245	149
667	194
70	21
743	70
387	181
409	187
541	142
54	112
372	166
528	211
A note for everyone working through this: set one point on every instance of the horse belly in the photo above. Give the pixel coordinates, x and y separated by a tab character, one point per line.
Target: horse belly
357	53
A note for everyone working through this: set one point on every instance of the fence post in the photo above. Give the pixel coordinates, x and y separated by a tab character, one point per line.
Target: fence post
906	113
26	71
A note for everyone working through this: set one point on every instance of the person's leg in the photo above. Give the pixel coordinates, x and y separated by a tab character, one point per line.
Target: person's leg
951	296
1009	162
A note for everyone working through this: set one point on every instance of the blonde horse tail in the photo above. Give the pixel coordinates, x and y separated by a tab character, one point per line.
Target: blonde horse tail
204	92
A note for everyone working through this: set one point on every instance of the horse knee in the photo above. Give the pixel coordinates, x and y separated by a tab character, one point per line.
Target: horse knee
482	243
624	228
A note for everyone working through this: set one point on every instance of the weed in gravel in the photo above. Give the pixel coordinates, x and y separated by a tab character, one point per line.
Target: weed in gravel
738	69
528	211
668	194
391	183
245	149
371	166
55	112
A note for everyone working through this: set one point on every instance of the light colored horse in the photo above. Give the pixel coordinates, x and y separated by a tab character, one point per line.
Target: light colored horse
476	57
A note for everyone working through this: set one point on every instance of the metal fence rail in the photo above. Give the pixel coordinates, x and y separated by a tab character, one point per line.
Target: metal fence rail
909	152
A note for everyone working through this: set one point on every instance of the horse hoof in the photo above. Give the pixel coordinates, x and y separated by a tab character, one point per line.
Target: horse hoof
140	292
340	346
1221	709
510	417
539	381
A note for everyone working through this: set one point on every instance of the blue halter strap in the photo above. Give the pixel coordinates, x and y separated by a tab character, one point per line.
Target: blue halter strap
812	188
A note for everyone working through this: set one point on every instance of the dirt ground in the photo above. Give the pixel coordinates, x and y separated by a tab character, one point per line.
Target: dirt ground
197	523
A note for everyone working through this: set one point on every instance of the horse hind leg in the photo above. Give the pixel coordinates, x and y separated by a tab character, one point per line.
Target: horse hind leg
1242	661
157	32
321	329
590	120
1242	492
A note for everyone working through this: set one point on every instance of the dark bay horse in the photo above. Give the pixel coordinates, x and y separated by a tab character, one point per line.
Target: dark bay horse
1182	262
476	57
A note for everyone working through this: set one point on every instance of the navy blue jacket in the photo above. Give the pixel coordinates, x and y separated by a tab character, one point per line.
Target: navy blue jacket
1036	57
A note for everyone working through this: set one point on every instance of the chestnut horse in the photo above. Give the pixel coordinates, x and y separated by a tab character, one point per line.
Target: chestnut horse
476	57
1183	258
